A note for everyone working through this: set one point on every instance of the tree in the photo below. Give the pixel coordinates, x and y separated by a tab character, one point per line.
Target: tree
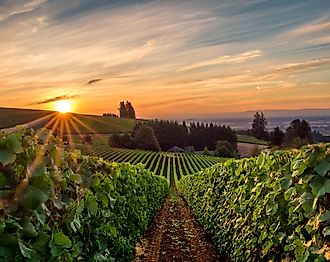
145	139
122	110
126	110
114	140
225	149
259	126
276	137
298	133
206	151
122	141
130	110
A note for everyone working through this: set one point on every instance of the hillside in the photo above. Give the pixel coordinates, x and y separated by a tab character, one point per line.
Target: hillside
10	117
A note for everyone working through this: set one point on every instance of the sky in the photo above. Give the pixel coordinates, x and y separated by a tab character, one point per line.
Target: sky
171	59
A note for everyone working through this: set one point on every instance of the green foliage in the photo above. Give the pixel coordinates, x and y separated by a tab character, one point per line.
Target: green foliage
259	124
62	206
225	149
206	151
188	163
145	139
121	141
296	142
299	133
274	207
276	137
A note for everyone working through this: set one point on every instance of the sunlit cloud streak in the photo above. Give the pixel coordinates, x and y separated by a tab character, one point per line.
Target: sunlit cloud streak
312	28
172	101
21	8
57	98
238	58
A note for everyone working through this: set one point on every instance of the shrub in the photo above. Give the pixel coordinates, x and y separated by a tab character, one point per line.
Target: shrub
122	141
145	139
225	149
206	151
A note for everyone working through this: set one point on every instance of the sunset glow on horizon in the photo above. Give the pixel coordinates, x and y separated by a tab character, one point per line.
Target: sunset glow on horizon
63	106
169	58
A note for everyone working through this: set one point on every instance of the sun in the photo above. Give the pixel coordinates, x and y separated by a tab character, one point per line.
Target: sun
63	106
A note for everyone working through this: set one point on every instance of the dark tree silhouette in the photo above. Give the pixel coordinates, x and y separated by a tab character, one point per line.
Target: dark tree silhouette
259	126
144	138
225	149
170	134
126	110
277	136
123	141
298	133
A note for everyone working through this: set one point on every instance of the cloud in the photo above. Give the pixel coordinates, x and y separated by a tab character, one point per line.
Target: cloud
21	9
302	66
236	59
320	40
312	28
93	81
147	50
56	98
173	101
311	34
131	55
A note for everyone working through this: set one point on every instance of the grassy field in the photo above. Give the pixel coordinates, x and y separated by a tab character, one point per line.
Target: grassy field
10	117
250	140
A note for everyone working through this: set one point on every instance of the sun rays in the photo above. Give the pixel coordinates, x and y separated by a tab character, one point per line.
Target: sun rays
63	106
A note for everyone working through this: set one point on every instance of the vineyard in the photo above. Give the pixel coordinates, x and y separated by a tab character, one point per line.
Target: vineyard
58	205
62	205
160	163
272	208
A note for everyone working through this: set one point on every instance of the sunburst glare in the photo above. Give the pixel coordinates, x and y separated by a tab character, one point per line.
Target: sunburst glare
63	106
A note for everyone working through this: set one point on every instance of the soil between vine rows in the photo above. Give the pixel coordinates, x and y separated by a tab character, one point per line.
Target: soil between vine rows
175	235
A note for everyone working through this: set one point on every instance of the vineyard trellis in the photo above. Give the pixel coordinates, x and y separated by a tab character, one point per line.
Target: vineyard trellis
172	166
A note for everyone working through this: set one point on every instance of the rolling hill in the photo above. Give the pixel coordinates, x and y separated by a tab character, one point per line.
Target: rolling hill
11	117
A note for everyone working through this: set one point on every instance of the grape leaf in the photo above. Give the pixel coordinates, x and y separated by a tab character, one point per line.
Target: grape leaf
7	156
323	167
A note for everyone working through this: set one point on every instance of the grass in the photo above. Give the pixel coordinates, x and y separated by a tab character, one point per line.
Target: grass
250	140
11	117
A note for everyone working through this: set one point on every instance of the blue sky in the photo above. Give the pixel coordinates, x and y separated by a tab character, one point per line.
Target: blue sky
172	59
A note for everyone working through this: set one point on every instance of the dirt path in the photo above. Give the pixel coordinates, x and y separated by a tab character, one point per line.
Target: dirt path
175	235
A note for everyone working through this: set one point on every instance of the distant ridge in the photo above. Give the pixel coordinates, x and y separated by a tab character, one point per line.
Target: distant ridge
286	113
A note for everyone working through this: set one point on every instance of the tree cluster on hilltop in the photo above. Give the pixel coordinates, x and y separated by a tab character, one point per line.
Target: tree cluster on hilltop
126	110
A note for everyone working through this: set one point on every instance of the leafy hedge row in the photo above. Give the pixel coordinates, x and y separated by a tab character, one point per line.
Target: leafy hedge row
62	206
273	207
